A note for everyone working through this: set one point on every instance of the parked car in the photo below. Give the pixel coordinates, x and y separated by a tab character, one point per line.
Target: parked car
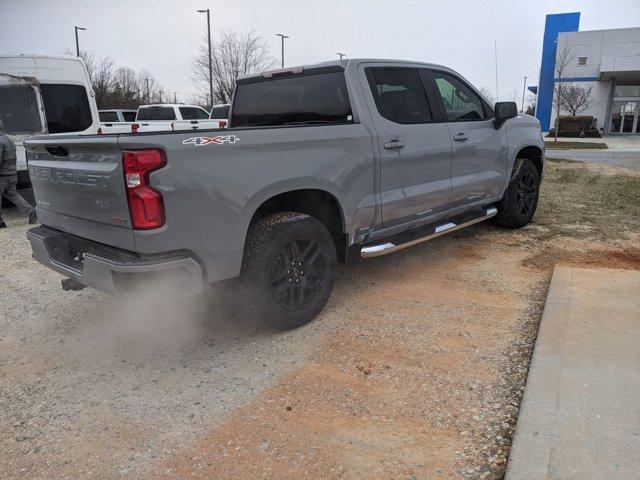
117	115
44	95
319	162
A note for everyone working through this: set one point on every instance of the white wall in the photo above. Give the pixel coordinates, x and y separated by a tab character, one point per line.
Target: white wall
598	106
599	46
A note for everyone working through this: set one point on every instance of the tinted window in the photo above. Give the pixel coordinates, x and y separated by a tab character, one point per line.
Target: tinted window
220	112
66	108
317	98
191	113
19	109
108	116
129	116
399	94
156	113
460	102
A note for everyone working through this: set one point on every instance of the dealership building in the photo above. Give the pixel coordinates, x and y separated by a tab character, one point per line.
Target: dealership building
606	60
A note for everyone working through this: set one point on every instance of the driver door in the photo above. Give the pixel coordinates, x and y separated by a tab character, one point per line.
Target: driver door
479	156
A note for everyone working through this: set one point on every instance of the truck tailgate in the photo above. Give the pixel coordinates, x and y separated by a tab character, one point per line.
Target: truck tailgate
79	187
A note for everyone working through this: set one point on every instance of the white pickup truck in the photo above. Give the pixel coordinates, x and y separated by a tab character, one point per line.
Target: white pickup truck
117	115
152	118
164	117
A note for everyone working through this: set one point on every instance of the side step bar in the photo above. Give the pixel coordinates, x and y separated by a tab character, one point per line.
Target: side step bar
439	230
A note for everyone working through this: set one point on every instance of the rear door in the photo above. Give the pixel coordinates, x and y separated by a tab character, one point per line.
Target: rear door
479	160
415	151
79	187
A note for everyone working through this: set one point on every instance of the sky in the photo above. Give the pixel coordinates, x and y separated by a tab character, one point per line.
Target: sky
162	36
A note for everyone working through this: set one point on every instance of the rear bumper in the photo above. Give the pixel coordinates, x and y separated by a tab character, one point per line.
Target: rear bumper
111	270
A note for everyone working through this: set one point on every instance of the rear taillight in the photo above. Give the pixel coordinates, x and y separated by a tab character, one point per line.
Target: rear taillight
222	124
134	128
145	202
99	130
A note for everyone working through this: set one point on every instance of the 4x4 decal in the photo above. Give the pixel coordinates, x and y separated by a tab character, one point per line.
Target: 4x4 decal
220	139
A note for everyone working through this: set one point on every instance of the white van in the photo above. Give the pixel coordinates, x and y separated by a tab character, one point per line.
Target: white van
44	95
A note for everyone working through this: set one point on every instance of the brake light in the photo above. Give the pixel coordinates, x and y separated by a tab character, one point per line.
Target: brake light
223	124
145	202
99	130
134	127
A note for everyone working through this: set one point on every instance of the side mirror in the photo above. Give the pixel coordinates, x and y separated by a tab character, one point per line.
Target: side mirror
504	111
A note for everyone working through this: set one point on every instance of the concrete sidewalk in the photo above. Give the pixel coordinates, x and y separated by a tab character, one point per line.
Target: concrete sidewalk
580	415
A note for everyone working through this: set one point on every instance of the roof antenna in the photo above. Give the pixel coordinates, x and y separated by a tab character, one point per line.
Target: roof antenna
495	50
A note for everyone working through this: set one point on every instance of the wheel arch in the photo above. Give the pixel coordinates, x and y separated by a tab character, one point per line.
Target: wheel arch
316	202
533	153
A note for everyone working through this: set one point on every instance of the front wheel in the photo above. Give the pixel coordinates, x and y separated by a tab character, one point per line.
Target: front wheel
288	269
519	203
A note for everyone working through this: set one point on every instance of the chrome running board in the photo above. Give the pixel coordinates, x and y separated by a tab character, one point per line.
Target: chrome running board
439	230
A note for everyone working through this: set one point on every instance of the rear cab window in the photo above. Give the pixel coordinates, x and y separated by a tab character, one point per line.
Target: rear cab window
108	116
299	99
156	113
220	111
19	110
129	116
193	113
66	107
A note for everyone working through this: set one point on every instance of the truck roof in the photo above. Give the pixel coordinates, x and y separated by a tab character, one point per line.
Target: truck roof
344	63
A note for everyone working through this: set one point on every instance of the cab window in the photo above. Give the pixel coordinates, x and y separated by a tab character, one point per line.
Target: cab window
460	102
192	113
399	94
129	116
66	108
108	116
19	109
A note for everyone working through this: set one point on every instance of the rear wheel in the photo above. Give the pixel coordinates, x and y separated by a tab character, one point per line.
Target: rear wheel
519	203
288	269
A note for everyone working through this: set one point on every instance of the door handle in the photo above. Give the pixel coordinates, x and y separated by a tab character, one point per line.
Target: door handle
393	144
461	137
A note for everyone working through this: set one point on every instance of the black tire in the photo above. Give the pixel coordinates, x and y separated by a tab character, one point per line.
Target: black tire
517	207
288	269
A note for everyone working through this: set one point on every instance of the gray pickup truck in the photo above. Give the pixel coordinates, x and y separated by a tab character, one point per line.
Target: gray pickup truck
319	161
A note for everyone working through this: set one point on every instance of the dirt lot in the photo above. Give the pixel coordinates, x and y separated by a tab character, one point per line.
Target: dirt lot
415	369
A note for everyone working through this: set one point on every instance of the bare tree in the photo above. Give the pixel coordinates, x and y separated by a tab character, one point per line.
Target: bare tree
576	99
486	93
102	80
149	89
564	58
531	101
232	54
126	93
120	87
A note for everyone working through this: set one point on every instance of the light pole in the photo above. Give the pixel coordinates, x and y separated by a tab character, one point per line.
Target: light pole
77	43
210	66
282	37
340	55
524	89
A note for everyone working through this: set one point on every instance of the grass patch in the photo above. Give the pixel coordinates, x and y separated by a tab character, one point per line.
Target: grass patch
579	201
561	160
562	145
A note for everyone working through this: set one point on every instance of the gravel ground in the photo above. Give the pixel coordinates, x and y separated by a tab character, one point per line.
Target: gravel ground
414	370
